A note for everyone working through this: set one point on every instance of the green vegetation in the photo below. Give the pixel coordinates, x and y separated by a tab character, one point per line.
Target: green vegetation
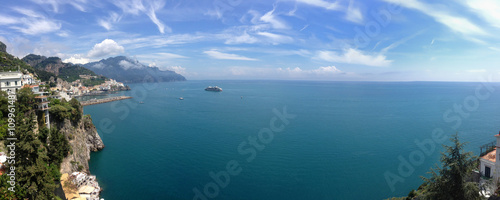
11	63
61	110
72	72
94	81
44	75
453	179
3	115
38	156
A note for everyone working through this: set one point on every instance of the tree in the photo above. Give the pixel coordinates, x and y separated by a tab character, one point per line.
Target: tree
451	180
33	172
58	148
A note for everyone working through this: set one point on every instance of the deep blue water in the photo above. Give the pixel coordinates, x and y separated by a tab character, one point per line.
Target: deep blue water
344	138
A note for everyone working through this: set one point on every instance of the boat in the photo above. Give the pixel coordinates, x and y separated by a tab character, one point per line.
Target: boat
181	98
214	89
141	102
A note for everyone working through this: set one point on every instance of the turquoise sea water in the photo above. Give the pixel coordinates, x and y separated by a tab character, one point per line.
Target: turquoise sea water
344	138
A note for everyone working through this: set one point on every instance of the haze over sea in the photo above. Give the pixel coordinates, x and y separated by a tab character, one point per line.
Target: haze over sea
344	137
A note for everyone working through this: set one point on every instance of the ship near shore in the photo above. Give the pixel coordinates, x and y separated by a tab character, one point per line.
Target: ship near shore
213	89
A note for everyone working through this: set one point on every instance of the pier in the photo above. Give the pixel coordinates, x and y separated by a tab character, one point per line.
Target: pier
105	100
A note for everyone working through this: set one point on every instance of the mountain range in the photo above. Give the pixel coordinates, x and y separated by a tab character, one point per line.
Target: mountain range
53	66
128	70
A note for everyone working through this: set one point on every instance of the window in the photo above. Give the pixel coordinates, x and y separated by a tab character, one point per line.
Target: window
15	83
7	83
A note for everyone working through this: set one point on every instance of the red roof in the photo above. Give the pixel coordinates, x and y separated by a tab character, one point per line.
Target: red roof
491	156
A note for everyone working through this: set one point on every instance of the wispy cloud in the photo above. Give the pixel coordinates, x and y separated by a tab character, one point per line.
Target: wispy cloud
321	3
136	7
244	38
55	4
272	19
455	23
353	13
226	56
108	22
32	23
276	38
324	73
487	9
402	41
6	20
170	55
354	56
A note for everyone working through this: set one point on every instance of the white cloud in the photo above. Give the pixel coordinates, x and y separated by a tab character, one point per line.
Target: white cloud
37	26
329	72
129	65
77	59
226	56
99	65
77	4
244	38
457	24
170	55
276	38
318	71
487	9
329	69
273	20
353	13
105	48
354	56
178	69
156	5
108	22
5	20
32	23
321	3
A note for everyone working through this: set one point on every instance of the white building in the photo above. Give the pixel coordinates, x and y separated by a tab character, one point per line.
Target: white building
11	81
490	163
27	79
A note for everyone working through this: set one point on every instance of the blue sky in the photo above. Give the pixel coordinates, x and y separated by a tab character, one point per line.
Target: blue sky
372	40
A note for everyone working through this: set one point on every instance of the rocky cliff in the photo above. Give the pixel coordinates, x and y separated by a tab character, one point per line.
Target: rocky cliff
3	47
83	139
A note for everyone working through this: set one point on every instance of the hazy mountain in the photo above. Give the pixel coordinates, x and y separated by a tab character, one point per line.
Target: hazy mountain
127	70
53	66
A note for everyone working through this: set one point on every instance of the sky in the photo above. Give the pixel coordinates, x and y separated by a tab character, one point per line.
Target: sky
344	40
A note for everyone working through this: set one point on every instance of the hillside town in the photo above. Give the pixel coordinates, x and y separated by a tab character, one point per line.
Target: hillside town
77	185
13	81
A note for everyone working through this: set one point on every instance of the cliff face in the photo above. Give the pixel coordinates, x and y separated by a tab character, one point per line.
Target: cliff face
83	139
3	47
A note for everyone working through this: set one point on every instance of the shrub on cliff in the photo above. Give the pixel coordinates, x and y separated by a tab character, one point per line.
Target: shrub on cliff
61	110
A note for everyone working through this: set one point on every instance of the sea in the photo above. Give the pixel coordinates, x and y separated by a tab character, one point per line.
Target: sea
284	139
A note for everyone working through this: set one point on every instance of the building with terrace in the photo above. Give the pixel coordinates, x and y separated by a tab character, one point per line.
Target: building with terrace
11	81
43	106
